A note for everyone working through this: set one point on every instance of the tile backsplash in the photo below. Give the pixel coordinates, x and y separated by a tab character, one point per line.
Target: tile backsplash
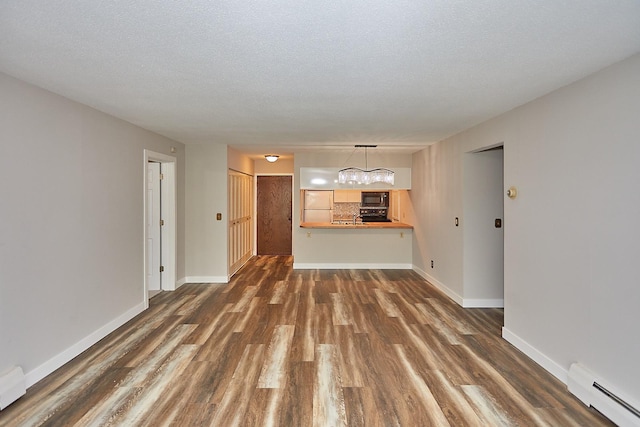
345	210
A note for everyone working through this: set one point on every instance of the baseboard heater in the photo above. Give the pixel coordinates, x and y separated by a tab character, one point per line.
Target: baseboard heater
12	386
585	386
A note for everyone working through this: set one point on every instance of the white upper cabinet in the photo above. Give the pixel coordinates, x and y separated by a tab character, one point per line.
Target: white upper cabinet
327	179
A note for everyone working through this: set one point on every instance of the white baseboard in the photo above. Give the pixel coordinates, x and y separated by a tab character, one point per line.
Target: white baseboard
57	361
537	356
12	386
482	303
462	302
181	282
450	293
205	279
348	266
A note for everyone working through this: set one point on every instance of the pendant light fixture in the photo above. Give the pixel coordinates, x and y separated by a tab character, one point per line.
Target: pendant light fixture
354	175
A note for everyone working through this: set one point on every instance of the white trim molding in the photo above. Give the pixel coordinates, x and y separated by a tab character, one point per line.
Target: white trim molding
536	355
349	266
446	290
204	279
65	356
12	386
482	303
462	302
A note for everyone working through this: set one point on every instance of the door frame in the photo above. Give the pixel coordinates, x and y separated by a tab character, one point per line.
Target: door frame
153	227
168	209
255	206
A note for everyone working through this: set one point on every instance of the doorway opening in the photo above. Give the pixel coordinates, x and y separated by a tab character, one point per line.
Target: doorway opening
483	233
159	224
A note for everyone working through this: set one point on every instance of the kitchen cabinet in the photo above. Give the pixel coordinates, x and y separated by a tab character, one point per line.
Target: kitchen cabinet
395	206
346	196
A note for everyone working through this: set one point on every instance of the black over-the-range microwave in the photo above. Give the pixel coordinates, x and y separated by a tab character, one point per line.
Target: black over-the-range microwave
375	199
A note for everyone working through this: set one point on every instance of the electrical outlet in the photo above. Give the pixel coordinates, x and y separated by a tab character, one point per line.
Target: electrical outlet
431	263
308	234
401	235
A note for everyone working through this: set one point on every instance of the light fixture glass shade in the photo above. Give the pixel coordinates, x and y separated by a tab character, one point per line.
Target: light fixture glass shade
271	157
361	176
365	176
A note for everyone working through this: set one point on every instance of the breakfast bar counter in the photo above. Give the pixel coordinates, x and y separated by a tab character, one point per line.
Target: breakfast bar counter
350	225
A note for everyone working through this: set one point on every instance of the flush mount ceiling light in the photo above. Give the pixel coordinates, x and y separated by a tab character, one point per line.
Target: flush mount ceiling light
271	157
354	175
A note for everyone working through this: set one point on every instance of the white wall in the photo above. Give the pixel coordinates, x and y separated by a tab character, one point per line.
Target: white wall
353	248
436	198
239	162
71	221
572	236
206	195
282	166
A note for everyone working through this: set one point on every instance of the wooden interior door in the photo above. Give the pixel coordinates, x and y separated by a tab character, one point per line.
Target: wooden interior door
274	215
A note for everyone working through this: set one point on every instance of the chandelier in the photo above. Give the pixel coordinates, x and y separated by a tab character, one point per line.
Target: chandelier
354	175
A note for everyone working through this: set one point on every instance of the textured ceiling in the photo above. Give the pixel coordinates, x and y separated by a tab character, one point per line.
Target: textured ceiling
282	74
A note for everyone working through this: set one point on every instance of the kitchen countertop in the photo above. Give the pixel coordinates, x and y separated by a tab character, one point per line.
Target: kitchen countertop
366	225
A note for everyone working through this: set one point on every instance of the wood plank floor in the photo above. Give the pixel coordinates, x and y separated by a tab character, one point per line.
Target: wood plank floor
284	347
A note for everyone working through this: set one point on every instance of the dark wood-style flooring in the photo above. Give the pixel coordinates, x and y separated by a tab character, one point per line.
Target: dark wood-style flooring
284	347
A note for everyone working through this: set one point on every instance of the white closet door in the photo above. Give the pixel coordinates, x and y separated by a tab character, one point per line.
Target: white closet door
153	227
